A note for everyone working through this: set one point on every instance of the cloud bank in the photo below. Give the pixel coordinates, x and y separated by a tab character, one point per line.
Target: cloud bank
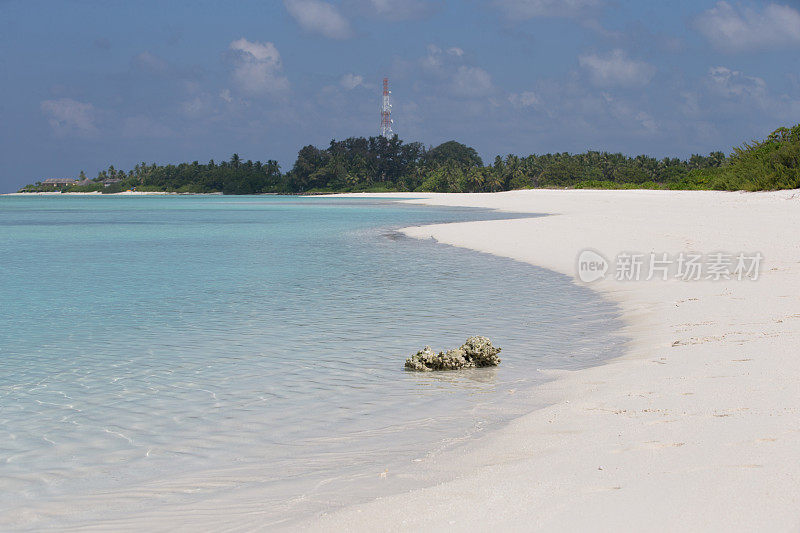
616	69
257	67
322	18
70	117
527	9
734	28
394	9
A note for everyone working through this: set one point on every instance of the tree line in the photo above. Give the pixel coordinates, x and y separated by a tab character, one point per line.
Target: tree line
388	164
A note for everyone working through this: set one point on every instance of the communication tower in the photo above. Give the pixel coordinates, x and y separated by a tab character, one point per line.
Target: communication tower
386	111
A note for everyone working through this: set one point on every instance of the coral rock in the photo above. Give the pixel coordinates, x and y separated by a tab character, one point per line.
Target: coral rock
476	352
479	350
422	361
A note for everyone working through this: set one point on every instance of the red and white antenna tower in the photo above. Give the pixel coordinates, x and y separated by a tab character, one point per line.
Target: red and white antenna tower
386	111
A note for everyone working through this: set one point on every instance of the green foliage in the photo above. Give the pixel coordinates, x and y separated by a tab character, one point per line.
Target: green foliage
453	152
767	165
380	164
358	164
91	187
229	177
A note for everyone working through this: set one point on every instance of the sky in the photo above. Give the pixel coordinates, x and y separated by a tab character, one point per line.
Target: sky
87	84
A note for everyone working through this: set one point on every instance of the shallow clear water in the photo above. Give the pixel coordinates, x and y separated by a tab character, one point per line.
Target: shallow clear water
157	350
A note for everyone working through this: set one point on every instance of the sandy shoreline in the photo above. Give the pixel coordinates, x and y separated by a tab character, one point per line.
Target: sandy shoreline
697	426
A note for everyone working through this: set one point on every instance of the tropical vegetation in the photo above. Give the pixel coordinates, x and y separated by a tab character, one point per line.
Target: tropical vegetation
389	164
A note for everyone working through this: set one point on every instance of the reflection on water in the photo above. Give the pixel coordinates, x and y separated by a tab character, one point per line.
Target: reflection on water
471	379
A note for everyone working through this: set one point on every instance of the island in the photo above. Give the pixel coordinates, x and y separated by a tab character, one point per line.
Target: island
380	164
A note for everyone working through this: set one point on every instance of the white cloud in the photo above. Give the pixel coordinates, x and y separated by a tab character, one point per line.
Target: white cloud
735	84
599	118
446	72
351	81
733	93
395	9
433	60
625	112
525	99
257	67
647	121
259	51
67	116
225	94
527	9
436	59
616	69
319	17
742	28
472	81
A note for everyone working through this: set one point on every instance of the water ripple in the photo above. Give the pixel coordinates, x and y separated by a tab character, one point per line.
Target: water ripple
173	347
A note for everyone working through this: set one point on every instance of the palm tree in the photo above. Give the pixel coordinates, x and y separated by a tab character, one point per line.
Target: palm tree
475	179
495	181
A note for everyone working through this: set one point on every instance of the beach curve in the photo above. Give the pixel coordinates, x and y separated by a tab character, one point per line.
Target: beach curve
696	425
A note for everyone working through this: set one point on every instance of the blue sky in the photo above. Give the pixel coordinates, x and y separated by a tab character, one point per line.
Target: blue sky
88	83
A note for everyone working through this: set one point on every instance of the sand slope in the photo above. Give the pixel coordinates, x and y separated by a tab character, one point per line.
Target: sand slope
696	426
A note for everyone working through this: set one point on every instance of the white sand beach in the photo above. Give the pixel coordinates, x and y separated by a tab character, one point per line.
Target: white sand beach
695	427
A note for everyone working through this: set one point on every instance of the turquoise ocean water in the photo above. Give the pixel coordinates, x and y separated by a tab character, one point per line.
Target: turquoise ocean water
160	351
